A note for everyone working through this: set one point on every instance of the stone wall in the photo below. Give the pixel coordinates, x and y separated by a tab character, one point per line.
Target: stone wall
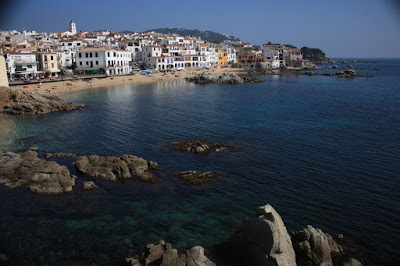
3	72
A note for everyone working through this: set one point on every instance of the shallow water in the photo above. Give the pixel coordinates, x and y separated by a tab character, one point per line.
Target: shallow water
323	151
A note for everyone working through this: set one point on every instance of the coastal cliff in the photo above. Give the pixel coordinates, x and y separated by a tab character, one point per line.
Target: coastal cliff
20	102
260	240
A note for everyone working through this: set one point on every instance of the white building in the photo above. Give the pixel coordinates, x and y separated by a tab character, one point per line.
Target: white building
104	60
272	57
22	65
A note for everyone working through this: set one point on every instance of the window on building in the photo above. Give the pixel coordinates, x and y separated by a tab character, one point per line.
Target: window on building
80	63
51	57
46	66
52	65
45	58
91	54
80	55
97	54
87	55
29	66
115	54
97	62
87	63
108	54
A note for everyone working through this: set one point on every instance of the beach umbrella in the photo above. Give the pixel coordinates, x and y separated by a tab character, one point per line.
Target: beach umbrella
25	87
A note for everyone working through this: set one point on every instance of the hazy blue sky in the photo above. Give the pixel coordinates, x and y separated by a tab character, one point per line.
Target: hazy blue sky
341	28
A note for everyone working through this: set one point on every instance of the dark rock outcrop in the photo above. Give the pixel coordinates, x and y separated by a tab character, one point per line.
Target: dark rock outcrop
26	169
212	78
196	177
4	259
313	247
201	146
164	254
259	240
20	102
113	168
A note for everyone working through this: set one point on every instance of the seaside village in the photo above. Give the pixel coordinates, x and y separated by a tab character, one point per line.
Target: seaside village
29	55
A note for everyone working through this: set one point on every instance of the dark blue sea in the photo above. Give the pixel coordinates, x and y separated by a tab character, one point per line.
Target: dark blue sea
321	150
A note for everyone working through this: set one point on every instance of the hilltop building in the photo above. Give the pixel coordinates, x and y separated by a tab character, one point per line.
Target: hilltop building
72	27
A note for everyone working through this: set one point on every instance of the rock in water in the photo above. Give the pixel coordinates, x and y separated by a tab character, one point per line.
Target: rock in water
211	78
113	168
89	185
196	177
313	247
260	240
201	146
21	102
26	169
163	254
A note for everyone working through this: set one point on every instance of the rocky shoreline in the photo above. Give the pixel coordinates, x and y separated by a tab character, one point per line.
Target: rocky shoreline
17	102
260	240
225	78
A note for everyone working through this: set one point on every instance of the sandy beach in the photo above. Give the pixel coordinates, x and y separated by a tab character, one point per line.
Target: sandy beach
60	88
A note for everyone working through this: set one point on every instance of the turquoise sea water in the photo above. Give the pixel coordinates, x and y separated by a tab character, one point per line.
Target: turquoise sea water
323	151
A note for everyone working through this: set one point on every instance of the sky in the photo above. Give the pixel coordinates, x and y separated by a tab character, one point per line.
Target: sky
340	28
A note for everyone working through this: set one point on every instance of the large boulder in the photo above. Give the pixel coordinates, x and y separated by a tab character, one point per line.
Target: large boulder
230	79
22	102
313	247
114	168
26	169
259	240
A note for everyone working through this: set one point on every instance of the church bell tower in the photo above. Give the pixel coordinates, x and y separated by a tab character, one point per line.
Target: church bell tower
72	27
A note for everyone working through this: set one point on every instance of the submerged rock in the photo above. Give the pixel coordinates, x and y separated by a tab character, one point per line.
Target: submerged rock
196	177
39	175
201	146
89	185
60	155
113	168
21	102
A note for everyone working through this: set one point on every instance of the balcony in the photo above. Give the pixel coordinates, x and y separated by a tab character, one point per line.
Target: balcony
26	61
